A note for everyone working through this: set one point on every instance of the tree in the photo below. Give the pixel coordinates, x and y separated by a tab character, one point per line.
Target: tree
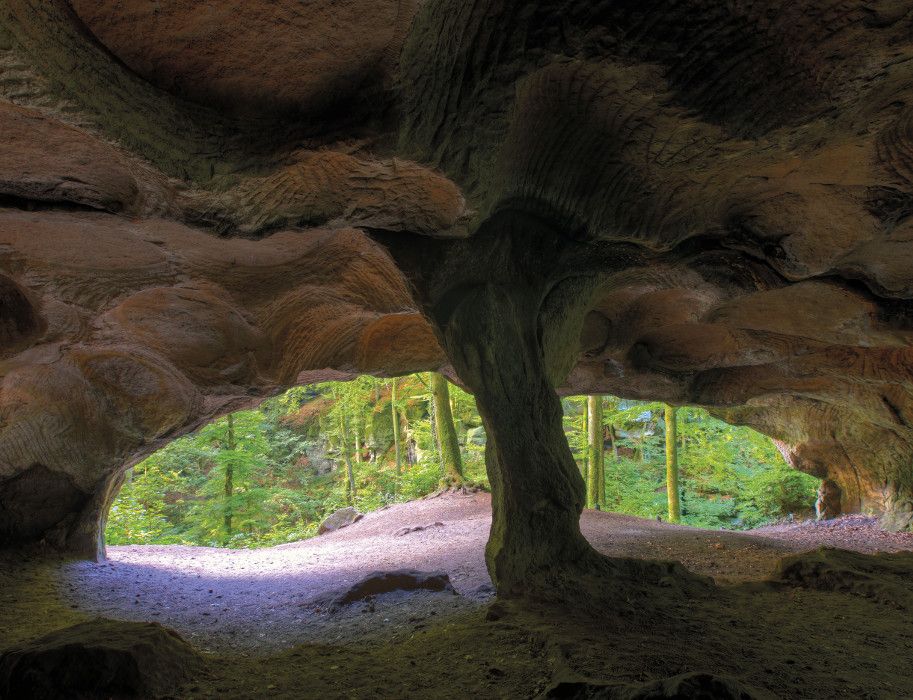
448	444
672	494
396	442
343	421
595	456
229	476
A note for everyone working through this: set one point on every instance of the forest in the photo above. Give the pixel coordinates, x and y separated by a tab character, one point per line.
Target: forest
270	475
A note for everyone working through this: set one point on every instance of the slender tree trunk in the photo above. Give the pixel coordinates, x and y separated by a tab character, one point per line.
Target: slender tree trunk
229	477
370	438
613	437
343	426
585	471
344	438
595	464
357	441
448	443
675	512
396	446
432	421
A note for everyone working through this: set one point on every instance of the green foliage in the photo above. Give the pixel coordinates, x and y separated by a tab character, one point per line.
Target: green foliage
731	476
287	466
139	514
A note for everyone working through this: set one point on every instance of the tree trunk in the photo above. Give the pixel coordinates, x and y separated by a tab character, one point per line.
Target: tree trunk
229	477
613	441
449	445
596	472
395	416
350	475
585	467
675	513
357	431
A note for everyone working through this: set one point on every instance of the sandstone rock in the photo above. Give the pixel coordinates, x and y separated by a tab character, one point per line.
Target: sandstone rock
329	186
483	590
173	336
99	658
380	582
898	511
255	56
884	578
688	686
71	167
340	519
828	507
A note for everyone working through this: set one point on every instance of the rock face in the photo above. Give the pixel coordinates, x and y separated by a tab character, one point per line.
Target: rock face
827	507
99	658
882	577
256	56
340	519
593	197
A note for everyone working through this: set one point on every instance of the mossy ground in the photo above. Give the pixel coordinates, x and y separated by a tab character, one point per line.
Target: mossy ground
789	639
796	644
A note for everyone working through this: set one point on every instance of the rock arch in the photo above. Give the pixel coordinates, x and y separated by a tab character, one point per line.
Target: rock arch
701	203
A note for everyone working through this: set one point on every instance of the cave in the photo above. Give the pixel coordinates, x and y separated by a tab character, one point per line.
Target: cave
693	202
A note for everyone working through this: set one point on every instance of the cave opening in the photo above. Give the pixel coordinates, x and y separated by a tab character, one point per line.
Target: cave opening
273	474
276	473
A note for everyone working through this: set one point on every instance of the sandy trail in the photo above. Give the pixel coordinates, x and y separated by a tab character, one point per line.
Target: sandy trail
259	599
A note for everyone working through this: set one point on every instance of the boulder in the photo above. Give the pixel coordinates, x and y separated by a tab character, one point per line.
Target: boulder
340	519
687	686
884	578
476	436
99	658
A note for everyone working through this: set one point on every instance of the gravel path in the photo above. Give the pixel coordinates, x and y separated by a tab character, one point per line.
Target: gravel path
262	599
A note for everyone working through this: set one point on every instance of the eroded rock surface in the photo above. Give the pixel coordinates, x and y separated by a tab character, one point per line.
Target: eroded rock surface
256	56
99	658
705	203
687	686
882	577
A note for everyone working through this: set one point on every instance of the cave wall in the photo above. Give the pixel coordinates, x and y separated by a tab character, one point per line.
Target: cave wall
245	196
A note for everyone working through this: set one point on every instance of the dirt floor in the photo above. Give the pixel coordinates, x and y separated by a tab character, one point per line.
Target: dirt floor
259	618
